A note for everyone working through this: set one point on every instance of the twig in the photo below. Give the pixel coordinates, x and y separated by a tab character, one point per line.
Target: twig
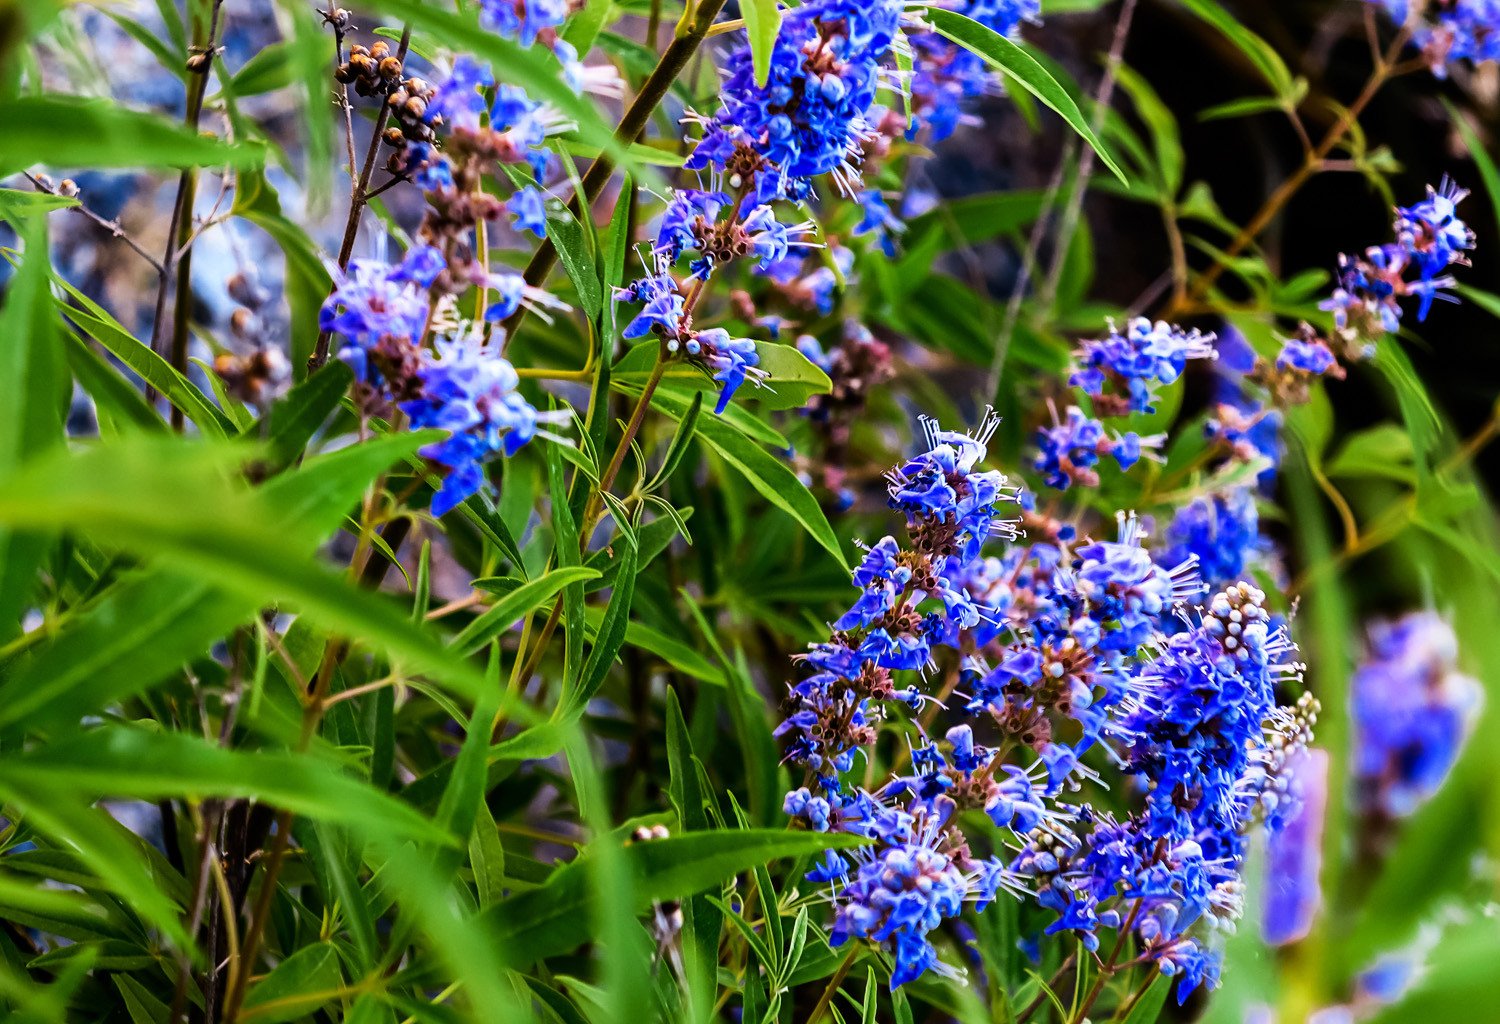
199	64
1086	159
112	226
359	195
1385	69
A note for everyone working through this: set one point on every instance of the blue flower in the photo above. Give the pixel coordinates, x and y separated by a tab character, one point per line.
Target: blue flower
527	209
458	101
808	118
372	301
1068	452
1412	712
523	20
1222	531
946	75
1294	856
1146	355
468	389
879	221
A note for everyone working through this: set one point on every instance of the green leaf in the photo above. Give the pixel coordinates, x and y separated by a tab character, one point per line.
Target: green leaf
93	320
1148	1007
774	480
1259	52
150	622
300	984
307	278
71	131
115	398
517	604
117	761
609	637
1165	138
1020	66
294	419
702	920
554	918
131	495
762	25
1241	108
31	418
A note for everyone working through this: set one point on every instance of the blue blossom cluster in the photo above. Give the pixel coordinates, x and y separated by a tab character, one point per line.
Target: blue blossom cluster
467	388
1132	365
1412	711
516	132
531	21
1429	238
1221	531
1062	647
711	229
1199	726
383	315
1068	451
945	76
809	118
1447	31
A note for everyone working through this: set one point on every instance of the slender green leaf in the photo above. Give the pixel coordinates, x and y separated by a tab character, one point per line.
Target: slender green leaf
1020	67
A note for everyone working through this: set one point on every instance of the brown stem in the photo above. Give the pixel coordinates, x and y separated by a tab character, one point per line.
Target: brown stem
359	195
1385	70
112	226
199	63
689	37
1074	208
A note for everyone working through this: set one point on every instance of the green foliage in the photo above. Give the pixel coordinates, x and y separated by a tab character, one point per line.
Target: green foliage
278	745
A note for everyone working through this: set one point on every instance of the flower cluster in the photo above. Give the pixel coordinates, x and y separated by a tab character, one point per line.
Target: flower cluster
1412	711
468	389
809	117
1200	727
1448	31
1221	531
1430	238
1133	364
1068	451
464	386
1061	647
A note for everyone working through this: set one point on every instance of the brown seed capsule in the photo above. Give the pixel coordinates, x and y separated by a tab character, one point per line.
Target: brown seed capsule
393	137
198	63
243	322
390	69
379	49
67	187
416	107
344	74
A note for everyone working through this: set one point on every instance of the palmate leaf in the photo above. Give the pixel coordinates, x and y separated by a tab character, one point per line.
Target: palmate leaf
1020	67
554	918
